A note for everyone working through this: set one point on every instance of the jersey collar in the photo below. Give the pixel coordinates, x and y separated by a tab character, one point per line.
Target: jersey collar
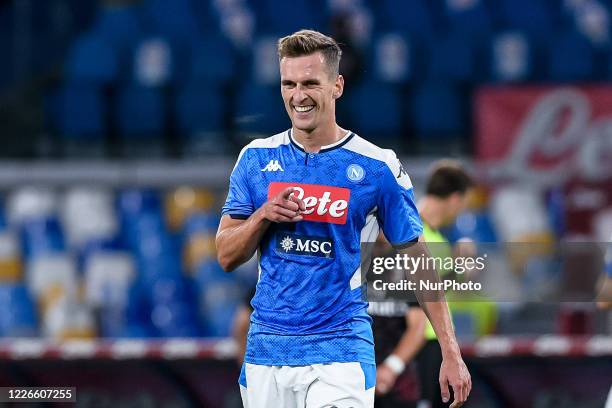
349	135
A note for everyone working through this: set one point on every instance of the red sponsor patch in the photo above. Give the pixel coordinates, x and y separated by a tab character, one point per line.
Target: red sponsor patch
323	203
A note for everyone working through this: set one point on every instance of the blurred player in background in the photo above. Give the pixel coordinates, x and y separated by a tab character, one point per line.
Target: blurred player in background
399	329
445	198
305	199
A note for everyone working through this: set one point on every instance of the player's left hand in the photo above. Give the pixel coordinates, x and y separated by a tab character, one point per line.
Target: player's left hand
454	372
385	379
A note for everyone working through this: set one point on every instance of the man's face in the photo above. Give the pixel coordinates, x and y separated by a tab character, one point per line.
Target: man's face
309	90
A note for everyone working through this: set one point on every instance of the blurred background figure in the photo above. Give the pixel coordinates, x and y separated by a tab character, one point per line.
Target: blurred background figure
120	122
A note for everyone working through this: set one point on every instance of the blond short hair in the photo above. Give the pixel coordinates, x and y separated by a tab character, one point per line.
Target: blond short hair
308	42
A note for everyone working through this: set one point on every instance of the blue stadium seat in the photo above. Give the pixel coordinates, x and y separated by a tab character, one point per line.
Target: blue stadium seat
436	110
174	19
260	110
173	307
41	236
219	300
18	317
79	110
382	119
91	59
200	222
570	58
273	15
536	17
469	17
395	59
133	202
141	111
120	26
410	16
213	60
476	225
200	109
510	57
452	57
154	62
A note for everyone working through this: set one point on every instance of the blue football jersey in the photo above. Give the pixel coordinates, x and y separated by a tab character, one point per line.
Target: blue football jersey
308	306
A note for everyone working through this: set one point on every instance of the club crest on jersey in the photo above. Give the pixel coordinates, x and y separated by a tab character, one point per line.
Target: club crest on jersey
295	244
323	203
273	165
355	173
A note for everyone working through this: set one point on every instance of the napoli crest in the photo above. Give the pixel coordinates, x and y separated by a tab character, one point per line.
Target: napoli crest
355	173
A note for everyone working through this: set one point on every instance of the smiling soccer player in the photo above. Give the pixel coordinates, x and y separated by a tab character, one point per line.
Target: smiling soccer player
305	199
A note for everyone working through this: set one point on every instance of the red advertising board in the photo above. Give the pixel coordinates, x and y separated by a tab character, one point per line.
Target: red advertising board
546	134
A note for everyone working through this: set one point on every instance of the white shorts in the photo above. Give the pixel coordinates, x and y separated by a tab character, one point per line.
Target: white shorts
339	385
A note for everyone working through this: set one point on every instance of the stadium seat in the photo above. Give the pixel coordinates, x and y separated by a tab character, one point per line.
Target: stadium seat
27	203
264	71
134	202
19	318
475	225
382	119
153	62
535	17
42	236
120	26
272	15
260	110
213	60
10	257
91	60
108	277
81	112
570	58
51	278
87	214
219	301
141	112
184	202
201	111
410	16
68	319
452	58
534	220
199	240
471	18
173	19
437	110
394	58
174	309
510	57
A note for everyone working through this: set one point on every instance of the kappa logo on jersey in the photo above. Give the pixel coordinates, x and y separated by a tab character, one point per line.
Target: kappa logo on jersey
273	165
323	203
304	245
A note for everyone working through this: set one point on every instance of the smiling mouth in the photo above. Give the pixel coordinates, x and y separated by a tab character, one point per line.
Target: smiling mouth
303	109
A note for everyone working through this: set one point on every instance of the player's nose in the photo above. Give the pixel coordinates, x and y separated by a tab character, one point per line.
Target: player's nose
299	95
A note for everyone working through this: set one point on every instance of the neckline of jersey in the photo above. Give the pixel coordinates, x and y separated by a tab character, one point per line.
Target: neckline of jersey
349	135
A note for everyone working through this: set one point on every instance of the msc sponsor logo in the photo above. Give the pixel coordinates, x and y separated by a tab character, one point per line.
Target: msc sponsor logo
295	244
323	203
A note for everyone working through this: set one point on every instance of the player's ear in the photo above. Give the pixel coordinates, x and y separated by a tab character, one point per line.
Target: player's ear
338	87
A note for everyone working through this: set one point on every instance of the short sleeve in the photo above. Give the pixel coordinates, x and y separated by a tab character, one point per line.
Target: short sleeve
239	203
397	212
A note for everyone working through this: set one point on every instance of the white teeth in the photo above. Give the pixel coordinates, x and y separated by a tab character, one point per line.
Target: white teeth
304	108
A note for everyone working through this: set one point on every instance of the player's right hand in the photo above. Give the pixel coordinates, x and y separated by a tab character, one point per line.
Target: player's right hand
284	207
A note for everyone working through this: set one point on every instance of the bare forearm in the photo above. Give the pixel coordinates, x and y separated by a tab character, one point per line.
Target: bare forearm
237	244
433	302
